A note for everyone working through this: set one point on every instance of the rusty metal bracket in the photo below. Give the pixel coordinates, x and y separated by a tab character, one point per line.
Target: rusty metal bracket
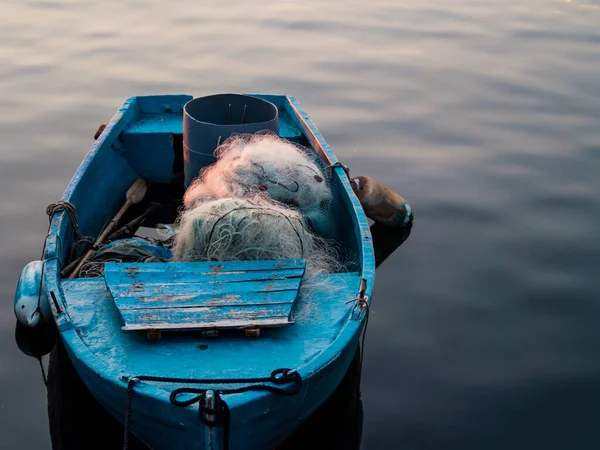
361	301
339	164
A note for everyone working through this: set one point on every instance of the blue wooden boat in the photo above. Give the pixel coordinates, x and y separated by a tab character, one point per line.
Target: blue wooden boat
190	389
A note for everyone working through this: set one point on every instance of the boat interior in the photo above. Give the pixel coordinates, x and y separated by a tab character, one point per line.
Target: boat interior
144	139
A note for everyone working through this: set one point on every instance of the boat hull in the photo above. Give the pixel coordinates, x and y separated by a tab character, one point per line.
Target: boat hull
262	423
319	346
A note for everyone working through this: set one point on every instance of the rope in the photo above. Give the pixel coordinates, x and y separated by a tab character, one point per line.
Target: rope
362	345
38	309
361	302
63	205
95	269
43	372
128	412
221	410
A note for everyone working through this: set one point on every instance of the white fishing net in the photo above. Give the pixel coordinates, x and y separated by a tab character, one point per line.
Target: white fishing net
251	229
263	199
237	229
247	164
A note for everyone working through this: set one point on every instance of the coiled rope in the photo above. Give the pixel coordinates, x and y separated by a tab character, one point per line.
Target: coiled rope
63	205
221	410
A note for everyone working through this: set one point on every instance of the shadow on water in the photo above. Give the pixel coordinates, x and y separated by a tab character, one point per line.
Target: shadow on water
338	423
76	419
386	240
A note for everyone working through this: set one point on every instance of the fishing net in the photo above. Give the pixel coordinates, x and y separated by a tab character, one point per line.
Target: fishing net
264	162
265	198
256	228
124	250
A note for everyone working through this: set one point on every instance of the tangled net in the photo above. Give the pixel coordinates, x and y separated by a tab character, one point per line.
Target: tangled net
250	229
263	199
263	162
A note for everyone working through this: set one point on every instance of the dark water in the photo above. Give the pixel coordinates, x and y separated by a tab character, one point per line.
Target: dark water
485	115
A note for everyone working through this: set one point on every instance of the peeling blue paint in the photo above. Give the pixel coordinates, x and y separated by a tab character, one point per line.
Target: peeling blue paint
320	344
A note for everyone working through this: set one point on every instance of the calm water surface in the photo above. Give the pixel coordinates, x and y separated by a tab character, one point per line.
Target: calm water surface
485	115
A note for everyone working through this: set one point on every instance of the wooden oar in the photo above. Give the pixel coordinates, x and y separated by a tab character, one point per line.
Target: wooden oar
126	230
134	195
130	228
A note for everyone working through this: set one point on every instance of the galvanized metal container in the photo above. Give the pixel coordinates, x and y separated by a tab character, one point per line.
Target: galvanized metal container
209	121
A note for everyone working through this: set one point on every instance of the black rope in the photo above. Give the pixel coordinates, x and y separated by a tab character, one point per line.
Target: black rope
38	309
128	412
285	376
43	372
362	345
361	303
221	411
50	210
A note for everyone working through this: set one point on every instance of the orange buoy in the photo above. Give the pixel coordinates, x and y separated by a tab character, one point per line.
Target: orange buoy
380	203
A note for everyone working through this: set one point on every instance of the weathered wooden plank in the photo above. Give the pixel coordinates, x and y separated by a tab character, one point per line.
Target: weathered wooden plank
208	300
180	295
210	267
142	290
204	314
259	323
128	275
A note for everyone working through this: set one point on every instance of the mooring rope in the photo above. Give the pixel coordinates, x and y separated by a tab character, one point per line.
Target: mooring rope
221	410
63	205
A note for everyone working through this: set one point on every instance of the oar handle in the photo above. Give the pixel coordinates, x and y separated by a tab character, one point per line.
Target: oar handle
69	267
113	223
134	195
81	263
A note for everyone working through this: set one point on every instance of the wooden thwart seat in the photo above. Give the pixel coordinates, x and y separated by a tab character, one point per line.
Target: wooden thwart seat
204	295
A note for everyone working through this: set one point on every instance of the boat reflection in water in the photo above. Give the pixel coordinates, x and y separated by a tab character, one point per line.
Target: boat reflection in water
77	420
386	240
337	424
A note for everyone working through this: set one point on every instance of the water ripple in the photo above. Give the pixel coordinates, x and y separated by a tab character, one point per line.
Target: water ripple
483	114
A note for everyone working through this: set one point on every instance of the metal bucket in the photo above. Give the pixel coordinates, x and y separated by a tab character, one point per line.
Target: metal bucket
208	121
